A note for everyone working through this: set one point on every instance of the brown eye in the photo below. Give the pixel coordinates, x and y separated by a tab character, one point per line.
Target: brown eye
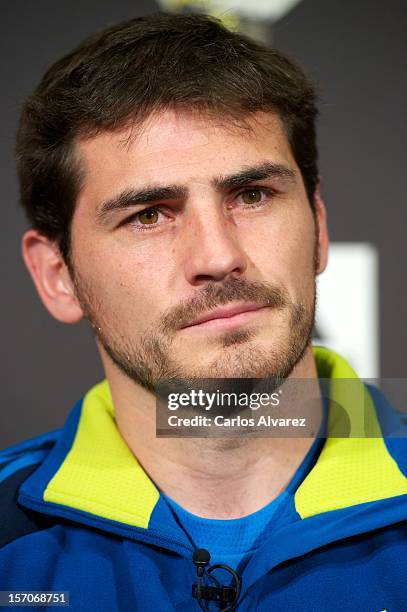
148	216
251	196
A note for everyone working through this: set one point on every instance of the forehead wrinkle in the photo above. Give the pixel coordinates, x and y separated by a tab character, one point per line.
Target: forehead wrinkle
137	126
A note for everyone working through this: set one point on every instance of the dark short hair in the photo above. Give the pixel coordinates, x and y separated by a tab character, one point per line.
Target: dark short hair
146	64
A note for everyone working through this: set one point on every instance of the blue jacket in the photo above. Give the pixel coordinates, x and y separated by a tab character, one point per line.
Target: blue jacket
79	514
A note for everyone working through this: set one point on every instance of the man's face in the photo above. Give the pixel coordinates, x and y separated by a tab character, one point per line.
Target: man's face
191	216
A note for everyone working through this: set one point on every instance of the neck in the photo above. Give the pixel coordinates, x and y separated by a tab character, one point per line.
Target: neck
253	471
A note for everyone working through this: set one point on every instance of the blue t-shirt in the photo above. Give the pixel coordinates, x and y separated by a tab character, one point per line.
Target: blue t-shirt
232	541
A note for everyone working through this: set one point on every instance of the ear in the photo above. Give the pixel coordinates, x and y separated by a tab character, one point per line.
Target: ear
322	226
51	277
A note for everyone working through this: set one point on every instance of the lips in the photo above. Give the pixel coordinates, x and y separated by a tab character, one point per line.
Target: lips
225	313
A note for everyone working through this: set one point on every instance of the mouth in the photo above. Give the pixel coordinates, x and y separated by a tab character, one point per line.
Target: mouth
227	318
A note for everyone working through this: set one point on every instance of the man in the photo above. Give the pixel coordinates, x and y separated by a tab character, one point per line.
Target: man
168	168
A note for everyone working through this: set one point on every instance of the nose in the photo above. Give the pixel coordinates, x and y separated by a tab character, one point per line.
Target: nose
211	248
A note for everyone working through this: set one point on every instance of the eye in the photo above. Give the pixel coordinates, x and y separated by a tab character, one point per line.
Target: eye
255	196
251	196
145	219
149	219
149	216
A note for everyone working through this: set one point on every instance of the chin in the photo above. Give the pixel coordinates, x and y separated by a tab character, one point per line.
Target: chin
248	363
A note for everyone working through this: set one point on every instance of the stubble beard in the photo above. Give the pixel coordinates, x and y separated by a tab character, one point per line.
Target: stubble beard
149	361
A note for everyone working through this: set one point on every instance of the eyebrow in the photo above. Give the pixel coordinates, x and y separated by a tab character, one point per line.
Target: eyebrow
133	197
255	173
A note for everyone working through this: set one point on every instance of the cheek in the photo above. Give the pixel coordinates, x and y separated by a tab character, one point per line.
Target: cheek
283	252
131	294
119	286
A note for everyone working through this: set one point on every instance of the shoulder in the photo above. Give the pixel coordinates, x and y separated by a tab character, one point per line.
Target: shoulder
16	464
393	424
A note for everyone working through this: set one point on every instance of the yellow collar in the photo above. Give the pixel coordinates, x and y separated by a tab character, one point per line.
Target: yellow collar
101	476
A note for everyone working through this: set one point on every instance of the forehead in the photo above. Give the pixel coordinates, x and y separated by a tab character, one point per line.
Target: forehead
172	147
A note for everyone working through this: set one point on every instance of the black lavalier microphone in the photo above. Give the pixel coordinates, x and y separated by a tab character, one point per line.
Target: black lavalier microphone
221	594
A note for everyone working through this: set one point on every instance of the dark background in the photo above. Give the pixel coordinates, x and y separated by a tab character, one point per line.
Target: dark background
355	50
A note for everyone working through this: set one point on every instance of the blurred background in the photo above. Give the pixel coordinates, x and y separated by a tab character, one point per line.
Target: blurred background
356	52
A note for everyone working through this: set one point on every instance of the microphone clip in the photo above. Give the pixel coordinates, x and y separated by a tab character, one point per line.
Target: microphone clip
223	594
226	595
